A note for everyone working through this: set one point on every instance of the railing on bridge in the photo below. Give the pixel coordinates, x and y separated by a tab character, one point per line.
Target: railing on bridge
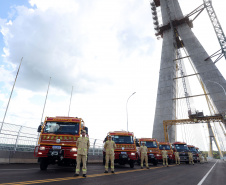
21	138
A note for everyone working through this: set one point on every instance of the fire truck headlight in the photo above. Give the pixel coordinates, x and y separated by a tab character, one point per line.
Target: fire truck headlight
133	154
158	155
73	150
42	148
40	153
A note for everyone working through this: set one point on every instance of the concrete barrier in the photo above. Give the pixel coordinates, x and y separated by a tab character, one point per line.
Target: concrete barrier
7	157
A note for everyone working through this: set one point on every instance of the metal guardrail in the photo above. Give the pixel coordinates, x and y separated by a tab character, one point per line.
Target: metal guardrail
17	137
21	138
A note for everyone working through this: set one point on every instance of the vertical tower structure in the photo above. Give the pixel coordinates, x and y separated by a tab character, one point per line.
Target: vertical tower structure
174	21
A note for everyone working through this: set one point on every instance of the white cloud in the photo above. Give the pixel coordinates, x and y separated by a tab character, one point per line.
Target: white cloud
100	48
61	6
73	46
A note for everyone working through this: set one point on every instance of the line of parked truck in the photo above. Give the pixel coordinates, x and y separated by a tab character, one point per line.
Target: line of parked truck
127	149
58	137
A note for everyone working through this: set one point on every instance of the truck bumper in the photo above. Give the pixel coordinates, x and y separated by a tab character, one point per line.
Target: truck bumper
184	158
124	159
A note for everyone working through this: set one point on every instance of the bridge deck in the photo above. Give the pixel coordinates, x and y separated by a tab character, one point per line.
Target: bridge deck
13	174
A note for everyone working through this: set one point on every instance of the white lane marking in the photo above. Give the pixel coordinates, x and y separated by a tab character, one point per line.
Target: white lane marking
203	179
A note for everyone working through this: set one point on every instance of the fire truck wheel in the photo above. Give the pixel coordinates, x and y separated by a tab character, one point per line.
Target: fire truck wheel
131	164
43	164
169	161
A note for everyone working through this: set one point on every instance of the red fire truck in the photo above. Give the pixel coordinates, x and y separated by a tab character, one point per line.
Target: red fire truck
154	155
168	148
193	150
125	152
183	150
57	141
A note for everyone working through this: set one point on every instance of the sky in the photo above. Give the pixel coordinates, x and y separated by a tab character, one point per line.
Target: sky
106	50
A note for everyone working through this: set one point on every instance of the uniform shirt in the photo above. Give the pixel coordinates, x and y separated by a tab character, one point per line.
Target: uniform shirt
143	150
82	145
164	153
109	147
176	154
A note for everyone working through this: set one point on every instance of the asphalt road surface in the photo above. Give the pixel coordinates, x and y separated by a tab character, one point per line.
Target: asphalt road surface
211	173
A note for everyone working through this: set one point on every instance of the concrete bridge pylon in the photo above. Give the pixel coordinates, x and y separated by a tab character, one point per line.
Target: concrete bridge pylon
176	33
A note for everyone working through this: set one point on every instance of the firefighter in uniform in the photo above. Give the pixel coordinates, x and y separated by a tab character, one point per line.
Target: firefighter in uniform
177	158
205	158
190	155
143	152
201	158
109	147
83	148
164	157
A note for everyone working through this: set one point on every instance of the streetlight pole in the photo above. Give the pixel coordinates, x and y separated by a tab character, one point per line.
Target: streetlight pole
127	110
70	101
219	85
10	95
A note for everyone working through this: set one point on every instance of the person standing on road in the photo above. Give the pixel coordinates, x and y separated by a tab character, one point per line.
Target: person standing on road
109	147
190	155
205	158
164	157
83	148
143	153
177	158
201	158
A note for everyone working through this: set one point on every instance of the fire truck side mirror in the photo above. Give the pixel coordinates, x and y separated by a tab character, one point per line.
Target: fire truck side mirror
86	129
39	128
137	143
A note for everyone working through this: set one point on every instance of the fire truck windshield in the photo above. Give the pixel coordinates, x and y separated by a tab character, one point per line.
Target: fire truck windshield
123	139
192	149
167	147
181	148
61	128
151	144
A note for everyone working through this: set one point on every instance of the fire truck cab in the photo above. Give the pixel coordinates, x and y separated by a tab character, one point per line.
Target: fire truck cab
125	151
154	155
168	148
198	151
183	150
57	141
194	152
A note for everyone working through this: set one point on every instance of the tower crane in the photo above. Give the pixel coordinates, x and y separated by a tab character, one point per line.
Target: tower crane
218	30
